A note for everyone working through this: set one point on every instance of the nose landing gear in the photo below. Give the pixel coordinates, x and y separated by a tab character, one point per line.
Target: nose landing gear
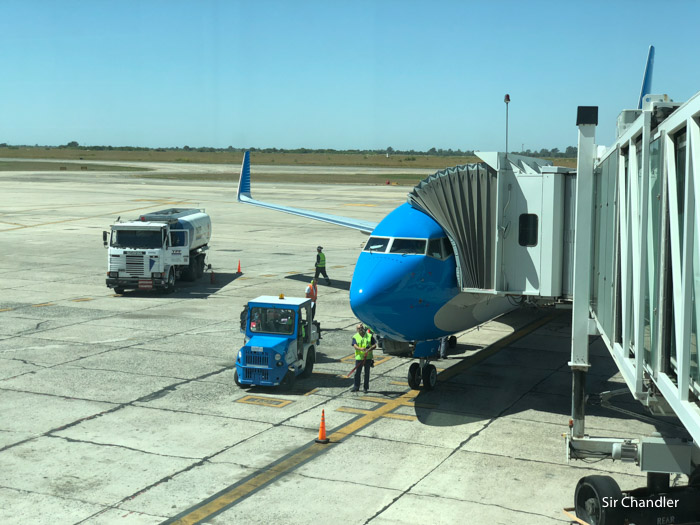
424	371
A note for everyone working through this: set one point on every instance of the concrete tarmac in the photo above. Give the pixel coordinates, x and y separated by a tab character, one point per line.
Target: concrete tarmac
123	409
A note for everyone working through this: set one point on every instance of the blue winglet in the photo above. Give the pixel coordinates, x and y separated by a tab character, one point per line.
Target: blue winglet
244	181
646	81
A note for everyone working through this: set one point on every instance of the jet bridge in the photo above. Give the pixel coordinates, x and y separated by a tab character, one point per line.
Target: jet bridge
510	222
636	280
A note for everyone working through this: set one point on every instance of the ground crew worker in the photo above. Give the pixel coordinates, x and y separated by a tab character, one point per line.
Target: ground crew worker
363	343
321	265
312	293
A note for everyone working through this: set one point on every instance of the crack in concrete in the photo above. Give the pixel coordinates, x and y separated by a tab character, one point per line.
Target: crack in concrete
73	440
459	447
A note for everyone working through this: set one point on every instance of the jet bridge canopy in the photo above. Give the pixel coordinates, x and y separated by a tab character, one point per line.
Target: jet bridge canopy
463	201
509	220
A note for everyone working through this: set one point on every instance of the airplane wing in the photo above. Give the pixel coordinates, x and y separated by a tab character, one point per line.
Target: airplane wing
245	197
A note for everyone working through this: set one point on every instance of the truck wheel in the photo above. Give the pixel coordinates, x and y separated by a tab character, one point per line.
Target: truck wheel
170	285
235	378
190	274
119	291
310	360
199	266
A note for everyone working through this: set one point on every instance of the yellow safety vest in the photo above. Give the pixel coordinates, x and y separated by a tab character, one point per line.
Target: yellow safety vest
363	342
321	260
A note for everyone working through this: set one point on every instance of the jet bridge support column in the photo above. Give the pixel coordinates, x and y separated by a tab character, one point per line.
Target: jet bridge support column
586	120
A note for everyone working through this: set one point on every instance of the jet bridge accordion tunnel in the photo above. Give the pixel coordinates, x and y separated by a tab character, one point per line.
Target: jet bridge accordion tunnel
510	222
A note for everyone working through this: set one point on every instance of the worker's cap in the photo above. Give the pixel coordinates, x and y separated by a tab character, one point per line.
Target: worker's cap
319	247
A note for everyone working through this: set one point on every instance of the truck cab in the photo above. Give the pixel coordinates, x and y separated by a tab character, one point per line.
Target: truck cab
279	343
156	249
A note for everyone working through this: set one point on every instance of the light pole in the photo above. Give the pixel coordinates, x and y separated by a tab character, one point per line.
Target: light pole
507	101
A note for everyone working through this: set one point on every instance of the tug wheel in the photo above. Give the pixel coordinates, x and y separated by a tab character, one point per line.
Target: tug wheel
594	499
310	360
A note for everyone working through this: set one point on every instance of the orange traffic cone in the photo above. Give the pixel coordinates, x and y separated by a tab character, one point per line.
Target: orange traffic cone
239	266
322	430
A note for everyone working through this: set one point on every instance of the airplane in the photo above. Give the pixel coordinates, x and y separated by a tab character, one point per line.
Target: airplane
405	281
404	285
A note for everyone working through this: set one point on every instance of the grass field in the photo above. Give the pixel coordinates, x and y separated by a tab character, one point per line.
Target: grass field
428	162
10	165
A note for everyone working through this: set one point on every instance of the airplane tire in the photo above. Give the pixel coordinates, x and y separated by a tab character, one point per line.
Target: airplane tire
310	360
414	376
429	377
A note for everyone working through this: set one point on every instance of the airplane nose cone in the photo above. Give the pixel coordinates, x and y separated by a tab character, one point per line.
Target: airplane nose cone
385	294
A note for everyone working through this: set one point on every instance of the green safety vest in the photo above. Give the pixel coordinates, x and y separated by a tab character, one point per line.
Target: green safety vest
321	260
363	342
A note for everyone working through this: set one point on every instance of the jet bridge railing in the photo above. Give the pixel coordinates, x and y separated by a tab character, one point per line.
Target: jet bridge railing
637	274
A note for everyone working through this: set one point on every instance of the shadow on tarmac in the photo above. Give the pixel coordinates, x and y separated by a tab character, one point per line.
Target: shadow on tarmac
531	375
200	289
335	283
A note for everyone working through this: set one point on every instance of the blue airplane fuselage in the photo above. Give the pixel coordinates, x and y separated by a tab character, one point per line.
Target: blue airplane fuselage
400	292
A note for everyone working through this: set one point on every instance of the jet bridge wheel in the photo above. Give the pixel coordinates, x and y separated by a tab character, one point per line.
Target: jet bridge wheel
429	376
414	376
590	504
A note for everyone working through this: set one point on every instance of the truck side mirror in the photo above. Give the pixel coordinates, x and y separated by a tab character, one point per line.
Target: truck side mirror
104	238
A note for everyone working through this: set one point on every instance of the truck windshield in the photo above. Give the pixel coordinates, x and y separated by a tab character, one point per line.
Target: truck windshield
137	239
272	320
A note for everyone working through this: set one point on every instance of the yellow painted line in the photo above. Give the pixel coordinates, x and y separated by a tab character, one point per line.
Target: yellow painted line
12	223
377	361
83	299
495	347
339	266
311	392
264	401
403	417
399	383
42	304
229	497
351	410
241	491
5	309
364	205
268	275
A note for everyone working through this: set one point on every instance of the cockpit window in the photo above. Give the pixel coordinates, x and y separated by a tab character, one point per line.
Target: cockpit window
447	247
377	244
408	246
435	248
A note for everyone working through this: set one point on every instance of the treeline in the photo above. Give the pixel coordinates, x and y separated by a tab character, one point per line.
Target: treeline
569	152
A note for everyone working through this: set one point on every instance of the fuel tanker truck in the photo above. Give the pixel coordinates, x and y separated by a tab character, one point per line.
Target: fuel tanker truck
156	249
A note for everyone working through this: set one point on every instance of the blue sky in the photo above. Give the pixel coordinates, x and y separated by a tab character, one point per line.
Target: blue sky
333	74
